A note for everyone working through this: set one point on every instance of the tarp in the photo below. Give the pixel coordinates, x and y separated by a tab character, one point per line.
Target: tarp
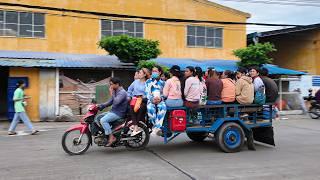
221	65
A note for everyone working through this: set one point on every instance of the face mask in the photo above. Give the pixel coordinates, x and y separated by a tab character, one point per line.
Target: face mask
155	75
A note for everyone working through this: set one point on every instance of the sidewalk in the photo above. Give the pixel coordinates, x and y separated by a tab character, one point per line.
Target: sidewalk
41	126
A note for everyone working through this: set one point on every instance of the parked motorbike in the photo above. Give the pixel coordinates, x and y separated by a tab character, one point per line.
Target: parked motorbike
77	139
314	111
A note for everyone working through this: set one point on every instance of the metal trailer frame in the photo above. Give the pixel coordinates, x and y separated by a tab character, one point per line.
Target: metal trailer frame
214	116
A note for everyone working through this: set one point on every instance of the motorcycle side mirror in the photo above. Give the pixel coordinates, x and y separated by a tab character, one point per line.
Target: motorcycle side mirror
310	90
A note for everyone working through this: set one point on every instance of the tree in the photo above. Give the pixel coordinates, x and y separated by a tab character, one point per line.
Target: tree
150	65
130	49
255	55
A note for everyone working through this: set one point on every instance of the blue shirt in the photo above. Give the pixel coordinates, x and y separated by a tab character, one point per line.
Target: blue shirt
137	88
119	102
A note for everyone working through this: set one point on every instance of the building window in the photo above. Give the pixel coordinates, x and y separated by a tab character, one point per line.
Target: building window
22	24
116	27
201	36
316	81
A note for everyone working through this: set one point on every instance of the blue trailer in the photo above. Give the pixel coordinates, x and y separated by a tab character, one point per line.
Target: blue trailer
229	124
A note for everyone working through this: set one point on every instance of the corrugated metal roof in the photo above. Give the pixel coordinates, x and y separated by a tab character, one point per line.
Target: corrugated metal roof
60	60
27	62
284	31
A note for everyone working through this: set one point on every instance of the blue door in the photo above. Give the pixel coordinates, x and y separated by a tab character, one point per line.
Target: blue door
12	86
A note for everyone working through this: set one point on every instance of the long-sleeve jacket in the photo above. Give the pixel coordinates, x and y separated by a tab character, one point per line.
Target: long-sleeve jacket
245	90
137	88
258	83
118	101
172	88
192	89
154	86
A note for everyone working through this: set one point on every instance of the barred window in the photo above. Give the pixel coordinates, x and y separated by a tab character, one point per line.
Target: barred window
117	27
202	36
22	24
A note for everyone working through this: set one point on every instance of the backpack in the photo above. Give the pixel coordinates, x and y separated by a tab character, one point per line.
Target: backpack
260	96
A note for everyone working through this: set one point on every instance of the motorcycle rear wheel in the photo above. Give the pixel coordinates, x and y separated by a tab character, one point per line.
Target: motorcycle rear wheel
142	139
84	142
314	112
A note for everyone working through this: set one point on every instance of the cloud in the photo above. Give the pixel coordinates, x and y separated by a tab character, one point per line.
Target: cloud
275	14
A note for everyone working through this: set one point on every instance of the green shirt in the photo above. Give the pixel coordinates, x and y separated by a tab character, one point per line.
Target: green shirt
18	105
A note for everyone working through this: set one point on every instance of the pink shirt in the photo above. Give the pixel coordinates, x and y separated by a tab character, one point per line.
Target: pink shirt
192	89
172	88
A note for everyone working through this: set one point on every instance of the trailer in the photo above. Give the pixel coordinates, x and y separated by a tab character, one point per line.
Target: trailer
230	125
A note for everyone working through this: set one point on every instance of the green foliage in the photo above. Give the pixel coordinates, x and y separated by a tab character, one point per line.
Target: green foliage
130	49
255	55
150	65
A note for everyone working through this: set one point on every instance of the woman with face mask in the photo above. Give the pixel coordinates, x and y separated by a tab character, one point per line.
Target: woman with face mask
156	107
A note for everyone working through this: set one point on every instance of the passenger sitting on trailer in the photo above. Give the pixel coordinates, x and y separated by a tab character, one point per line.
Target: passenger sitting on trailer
156	107
192	93
191	89
254	73
244	87
259	88
270	85
172	88
228	94
214	87
203	88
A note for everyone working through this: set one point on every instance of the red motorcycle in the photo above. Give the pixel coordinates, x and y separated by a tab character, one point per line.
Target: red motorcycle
78	138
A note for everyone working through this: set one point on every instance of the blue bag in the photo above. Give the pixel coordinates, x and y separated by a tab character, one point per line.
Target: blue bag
260	96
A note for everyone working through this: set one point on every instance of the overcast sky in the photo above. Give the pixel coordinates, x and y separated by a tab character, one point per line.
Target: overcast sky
276	14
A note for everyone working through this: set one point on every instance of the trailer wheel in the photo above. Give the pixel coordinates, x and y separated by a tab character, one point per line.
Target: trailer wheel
230	137
197	136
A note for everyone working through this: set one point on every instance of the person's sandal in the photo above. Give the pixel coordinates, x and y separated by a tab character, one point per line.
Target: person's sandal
134	133
11	133
111	142
131	128
34	132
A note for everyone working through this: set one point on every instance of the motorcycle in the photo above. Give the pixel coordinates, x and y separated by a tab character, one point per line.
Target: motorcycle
314	111
77	139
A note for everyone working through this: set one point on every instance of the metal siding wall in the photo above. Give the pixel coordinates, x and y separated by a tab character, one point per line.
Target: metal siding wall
47	94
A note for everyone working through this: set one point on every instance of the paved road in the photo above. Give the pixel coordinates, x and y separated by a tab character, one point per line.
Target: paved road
296	156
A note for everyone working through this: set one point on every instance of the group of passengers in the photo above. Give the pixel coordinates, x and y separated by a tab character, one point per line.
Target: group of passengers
153	91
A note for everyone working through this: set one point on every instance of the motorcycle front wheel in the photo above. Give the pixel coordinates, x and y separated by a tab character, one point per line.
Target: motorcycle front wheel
75	143
314	112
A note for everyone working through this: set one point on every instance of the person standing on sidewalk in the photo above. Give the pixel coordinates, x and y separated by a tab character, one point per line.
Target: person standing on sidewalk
20	113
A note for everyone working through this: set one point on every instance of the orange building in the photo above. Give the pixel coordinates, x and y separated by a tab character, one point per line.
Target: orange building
75	27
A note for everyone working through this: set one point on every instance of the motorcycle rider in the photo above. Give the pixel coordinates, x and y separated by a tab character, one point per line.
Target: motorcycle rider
119	103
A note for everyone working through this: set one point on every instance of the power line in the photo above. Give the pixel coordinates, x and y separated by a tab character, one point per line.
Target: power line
141	17
233	27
